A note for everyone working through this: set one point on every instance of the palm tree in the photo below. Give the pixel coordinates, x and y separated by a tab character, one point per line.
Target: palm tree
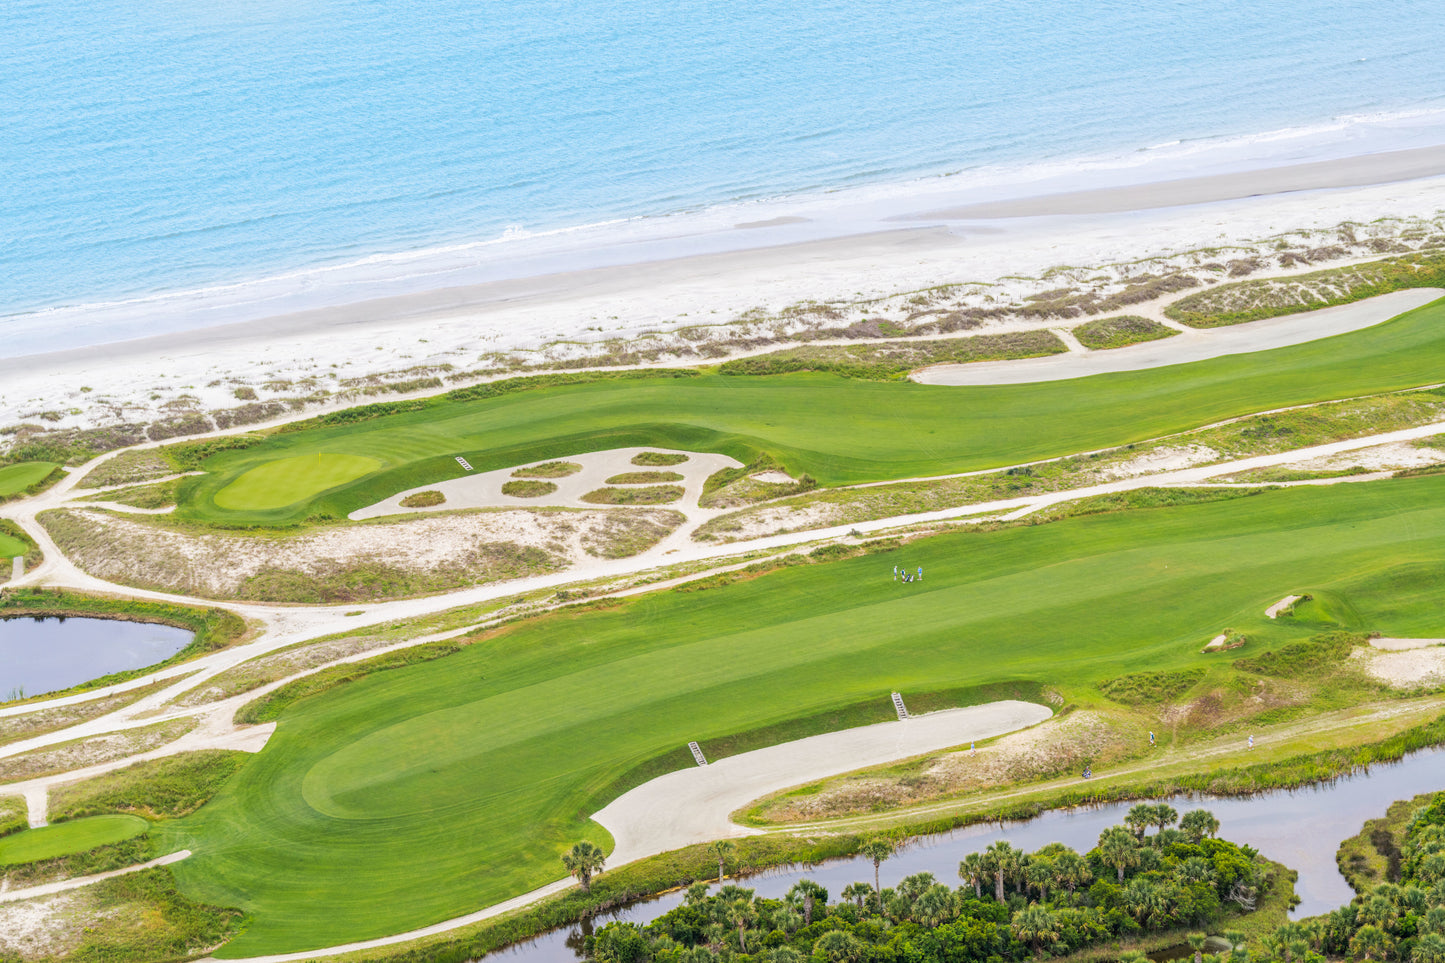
1370	942
1198	823
877	849
1119	851
584	861
1139	819
1429	948
1196	943
1140	898
1435	919
1070	871
971	871
1037	875
1195	869
835	946
720	850
740	913
1000	859
1034	924
935	906
857	892
807	892
1378	910
1164	816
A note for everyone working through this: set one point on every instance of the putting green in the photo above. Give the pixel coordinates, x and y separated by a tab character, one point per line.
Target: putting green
285	482
418	794
20	476
839	431
63	839
10	546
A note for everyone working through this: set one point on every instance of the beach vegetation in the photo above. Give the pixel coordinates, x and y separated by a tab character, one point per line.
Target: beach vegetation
892	360
154	789
1273	297
1105	333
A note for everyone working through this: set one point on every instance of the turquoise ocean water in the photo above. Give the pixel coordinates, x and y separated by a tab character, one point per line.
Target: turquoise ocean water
244	156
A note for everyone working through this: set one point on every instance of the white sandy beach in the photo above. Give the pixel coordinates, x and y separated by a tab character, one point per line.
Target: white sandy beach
142	379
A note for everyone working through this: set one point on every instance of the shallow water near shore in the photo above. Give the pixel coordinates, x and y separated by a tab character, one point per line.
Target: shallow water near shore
39	655
1301	828
281	155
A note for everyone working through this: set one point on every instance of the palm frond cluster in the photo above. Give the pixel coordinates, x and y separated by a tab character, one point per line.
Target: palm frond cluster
1012	905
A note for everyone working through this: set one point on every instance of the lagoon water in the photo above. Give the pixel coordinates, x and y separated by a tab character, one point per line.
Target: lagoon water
39	655
1300	828
342	148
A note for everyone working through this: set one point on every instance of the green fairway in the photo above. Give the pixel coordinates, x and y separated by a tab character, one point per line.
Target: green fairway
10	547
63	839
276	484
837	430
18	477
423	793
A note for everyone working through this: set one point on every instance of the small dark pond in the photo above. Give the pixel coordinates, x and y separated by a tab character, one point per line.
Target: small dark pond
1301	828
39	655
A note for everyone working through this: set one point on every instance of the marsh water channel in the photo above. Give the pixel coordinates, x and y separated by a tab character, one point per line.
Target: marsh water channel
1301	828
46	654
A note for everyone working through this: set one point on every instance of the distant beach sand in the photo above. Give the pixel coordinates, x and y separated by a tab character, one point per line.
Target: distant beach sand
461	326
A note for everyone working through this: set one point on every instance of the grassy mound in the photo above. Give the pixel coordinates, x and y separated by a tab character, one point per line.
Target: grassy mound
528	489
550	469
423	499
494	755
1108	333
656	495
658	459
644	478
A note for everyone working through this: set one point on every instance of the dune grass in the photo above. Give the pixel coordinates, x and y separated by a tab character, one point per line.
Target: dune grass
1106	333
836	430
63	839
420	793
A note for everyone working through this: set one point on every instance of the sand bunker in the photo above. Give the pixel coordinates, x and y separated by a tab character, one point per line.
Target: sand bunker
1413	668
693	805
1274	610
